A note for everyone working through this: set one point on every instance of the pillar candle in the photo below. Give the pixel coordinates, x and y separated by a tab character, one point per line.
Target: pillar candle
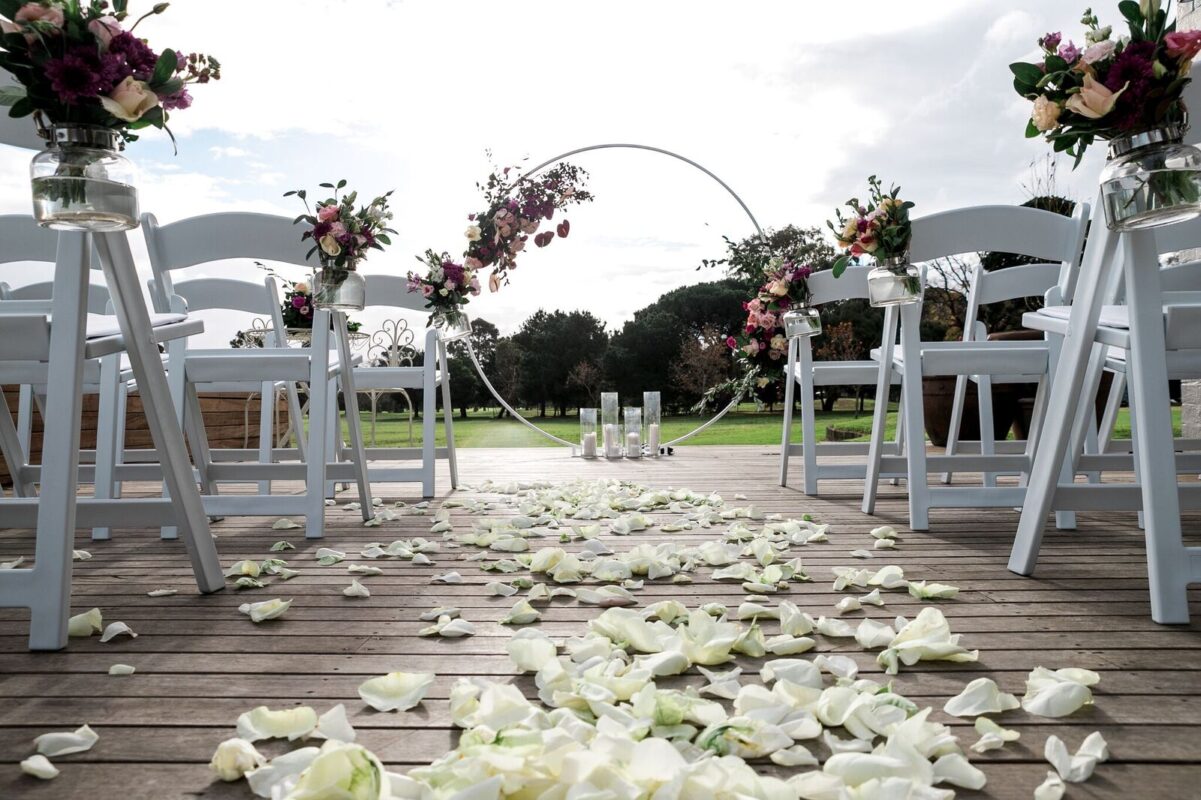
590	445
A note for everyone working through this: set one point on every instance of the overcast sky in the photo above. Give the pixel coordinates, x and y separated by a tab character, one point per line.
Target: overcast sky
792	104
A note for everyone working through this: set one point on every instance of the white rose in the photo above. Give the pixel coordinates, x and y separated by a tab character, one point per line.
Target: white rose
330	245
1098	52
234	758
473	233
344	771
1045	113
130	100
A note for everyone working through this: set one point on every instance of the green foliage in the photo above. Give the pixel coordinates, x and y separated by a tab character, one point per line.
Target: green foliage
747	259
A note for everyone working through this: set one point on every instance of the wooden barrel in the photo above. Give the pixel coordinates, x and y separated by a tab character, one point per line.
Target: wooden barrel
231	419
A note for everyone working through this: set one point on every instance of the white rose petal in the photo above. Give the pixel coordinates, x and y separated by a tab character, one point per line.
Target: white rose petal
449	577
362	569
440	611
161	592
981	696
500	588
120	669
356	589
1059	693
286	723
926	638
848	604
234	758
884	532
884	544
39	767
53	745
80	555
333	724
530	649
280	771
838	666
396	691
268	609
285	525
1077	768
522	613
1050	789
85	624
115	629
16	562
932	591
992	735
953	768
796	756
861	554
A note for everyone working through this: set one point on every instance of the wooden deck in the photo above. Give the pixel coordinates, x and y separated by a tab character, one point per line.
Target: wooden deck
200	663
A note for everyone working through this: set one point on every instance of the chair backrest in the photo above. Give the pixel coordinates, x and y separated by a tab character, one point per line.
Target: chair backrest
392	291
218	237
227	294
22	239
98	296
1032	232
825	288
18	132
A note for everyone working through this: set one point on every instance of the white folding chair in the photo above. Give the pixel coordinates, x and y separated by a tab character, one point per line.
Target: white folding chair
1024	231
1153	338
432	377
804	371
205	239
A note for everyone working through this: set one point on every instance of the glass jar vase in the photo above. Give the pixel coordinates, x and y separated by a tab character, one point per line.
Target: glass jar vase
82	182
1151	179
610	425
652	412
801	322
452	325
588	440
339	288
894	282
633	431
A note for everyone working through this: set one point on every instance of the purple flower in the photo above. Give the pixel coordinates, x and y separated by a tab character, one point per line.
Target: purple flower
180	99
73	78
1069	52
321	229
137	54
299	301
1133	69
1051	41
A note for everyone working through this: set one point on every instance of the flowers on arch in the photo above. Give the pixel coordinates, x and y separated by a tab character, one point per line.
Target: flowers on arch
82	63
1107	86
446	285
341	233
879	227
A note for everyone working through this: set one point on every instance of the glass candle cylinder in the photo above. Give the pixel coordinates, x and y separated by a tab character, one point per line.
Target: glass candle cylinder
633	432
610	425
651	413
588	432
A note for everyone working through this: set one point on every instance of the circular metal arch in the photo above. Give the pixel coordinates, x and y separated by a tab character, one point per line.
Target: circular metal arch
619	146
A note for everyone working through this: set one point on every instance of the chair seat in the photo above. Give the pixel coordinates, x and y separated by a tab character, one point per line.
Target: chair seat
248	366
102	325
844	373
382	378
1006	361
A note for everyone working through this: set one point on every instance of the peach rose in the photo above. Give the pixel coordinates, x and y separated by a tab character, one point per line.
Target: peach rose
1045	113
1094	100
130	100
32	12
302	288
779	288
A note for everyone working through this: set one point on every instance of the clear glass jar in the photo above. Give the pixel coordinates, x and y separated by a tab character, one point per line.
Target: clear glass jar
1151	179
610	425
633	432
339	288
452	326
588	442
801	322
652	412
82	182
894	282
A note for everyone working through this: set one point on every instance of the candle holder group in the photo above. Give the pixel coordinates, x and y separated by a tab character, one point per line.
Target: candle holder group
623	432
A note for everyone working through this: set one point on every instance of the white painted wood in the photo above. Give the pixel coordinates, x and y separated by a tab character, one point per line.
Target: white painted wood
351	402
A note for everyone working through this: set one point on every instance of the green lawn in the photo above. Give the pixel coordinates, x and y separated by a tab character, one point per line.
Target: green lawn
744	426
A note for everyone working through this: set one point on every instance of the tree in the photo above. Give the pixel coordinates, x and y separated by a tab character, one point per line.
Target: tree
587	377
704	361
552	344
746	259
506	371
641	354
467	388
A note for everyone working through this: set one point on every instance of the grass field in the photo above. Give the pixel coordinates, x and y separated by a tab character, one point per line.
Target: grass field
744	426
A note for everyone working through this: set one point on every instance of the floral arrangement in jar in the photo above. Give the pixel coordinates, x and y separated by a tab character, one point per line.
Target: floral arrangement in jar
760	349
515	212
1125	90
447	286
298	306
879	228
90	82
342	234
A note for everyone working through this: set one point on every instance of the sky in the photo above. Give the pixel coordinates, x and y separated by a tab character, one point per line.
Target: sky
792	104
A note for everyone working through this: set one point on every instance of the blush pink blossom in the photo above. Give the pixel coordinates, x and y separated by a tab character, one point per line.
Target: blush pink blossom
327	213
104	29
427	290
32	12
1183	45
337	229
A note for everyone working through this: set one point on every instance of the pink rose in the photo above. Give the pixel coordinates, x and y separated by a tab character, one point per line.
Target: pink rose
731	342
472	263
130	100
327	213
427	290
752	348
32	12
337	230
104	29
1183	45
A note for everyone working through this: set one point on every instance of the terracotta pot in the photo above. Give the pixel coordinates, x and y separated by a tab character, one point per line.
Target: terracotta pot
938	398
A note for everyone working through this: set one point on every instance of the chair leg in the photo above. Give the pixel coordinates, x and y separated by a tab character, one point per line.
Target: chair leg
49	605
350	398
808	418
789	399
25	408
107	444
14	454
1113	405
956	420
266	430
1168	561
448	419
915	423
296	420
319	421
875	450
333	436
988	445
898	436
1138	472
429	419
